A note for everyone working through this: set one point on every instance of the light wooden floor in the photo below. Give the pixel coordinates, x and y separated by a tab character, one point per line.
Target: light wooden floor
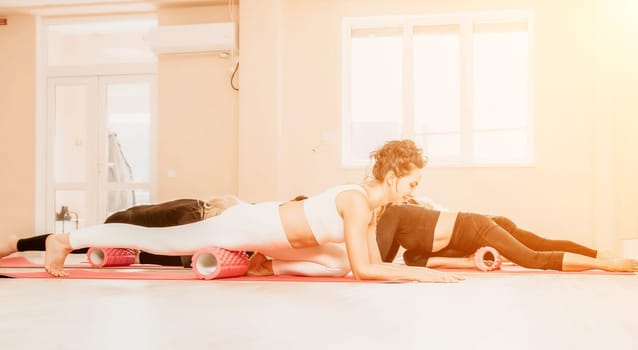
488	311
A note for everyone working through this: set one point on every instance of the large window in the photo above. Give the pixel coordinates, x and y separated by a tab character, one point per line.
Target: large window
458	85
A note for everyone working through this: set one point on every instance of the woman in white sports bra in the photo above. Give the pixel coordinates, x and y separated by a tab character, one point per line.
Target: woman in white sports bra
293	237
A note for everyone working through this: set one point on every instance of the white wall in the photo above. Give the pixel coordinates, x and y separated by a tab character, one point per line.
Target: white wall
17	124
617	111
197	116
557	197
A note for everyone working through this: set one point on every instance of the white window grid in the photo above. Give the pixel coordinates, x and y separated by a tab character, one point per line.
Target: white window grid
465	21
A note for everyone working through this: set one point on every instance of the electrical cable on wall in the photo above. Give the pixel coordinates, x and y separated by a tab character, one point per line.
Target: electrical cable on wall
232	77
233	52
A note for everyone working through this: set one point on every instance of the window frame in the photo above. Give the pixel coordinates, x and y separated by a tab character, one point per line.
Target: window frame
465	22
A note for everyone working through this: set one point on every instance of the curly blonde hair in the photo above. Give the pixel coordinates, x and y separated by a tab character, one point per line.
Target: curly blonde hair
399	156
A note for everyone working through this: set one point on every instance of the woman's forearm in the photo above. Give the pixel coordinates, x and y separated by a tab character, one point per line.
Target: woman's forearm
454	263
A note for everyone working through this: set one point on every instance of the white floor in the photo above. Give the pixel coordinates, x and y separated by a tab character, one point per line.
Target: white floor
487	311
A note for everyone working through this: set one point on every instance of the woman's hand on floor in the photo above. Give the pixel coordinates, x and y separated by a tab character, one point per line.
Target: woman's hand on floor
441	277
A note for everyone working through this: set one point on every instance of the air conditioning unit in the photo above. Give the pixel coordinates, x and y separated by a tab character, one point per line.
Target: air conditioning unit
192	38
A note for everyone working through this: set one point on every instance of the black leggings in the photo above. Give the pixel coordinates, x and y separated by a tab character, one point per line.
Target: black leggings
524	248
38	243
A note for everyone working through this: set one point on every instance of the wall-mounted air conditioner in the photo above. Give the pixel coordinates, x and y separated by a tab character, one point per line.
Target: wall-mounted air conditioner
192	38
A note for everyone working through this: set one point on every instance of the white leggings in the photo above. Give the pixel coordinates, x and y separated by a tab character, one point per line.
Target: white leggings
328	260
249	227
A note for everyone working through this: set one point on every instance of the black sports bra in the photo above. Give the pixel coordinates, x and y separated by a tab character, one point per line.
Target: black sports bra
408	226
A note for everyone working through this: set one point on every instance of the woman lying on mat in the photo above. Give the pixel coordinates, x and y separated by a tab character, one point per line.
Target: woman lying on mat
425	233
300	237
172	213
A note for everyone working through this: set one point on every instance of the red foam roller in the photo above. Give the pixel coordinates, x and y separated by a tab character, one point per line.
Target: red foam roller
482	264
103	257
213	262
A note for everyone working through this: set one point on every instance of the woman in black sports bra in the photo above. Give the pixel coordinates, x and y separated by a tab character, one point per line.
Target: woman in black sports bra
413	228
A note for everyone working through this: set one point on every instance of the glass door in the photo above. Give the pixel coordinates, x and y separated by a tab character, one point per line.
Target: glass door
71	151
127	142
100	147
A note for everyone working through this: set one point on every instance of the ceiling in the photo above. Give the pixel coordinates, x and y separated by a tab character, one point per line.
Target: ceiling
72	7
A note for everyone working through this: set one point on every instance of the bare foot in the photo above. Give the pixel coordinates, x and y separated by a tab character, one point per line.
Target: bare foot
8	245
57	249
259	265
623	265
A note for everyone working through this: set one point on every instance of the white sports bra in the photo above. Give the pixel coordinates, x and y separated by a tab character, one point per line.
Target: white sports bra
322	215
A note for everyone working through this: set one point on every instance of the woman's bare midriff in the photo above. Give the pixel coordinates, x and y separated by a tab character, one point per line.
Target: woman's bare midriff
443	230
295	224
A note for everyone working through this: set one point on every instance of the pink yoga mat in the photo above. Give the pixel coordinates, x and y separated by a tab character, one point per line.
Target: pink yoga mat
213	262
521	271
162	275
104	257
17	261
22	262
189	275
185	274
